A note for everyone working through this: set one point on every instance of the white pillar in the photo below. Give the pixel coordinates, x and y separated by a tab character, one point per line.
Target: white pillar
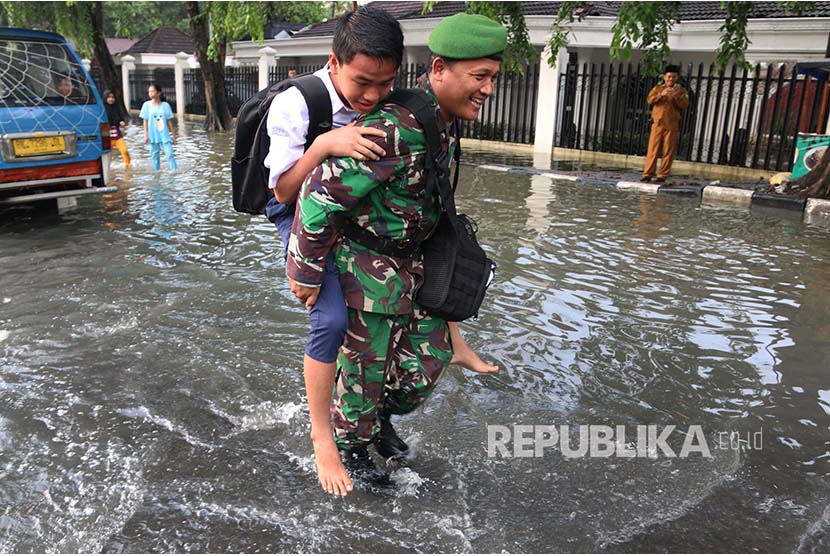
127	66
547	101
266	57
410	56
178	72
87	63
827	125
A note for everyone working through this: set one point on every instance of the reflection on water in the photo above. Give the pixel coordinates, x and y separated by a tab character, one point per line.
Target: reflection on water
151	393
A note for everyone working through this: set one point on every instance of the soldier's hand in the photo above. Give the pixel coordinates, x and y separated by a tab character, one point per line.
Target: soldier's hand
352	141
305	294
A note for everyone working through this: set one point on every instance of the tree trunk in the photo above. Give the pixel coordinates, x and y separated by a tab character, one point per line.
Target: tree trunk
816	182
217	114
103	58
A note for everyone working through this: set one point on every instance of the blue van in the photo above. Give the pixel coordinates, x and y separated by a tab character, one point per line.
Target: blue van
54	136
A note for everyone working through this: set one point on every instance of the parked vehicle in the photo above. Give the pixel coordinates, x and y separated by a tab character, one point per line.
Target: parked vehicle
54	135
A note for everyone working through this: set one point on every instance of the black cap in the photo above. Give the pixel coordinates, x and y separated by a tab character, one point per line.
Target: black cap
671	68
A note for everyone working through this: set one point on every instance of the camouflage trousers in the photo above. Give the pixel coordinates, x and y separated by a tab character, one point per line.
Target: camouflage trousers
389	361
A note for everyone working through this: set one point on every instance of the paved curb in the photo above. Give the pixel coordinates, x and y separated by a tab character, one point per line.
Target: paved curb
814	210
638	186
788	202
715	194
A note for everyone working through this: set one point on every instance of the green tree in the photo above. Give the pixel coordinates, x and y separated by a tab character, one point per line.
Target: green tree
519	51
304	12
212	26
133	20
82	22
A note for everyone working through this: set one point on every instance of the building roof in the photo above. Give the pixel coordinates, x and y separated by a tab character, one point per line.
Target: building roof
164	40
760	10
689	11
117	46
274	28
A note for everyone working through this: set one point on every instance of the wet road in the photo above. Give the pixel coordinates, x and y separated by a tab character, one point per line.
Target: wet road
151	393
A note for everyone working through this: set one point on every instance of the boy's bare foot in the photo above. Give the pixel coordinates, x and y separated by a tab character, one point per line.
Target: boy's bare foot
333	476
464	356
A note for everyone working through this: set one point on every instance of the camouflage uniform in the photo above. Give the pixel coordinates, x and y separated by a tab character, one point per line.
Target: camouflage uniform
393	352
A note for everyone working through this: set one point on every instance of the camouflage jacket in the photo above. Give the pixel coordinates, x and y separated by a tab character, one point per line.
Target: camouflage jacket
385	197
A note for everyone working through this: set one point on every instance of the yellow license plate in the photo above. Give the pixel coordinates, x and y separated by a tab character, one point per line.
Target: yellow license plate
35	146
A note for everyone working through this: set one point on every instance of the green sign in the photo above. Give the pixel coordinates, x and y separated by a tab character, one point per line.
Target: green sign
809	149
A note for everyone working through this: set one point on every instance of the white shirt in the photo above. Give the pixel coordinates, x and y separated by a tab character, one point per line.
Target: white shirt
287	125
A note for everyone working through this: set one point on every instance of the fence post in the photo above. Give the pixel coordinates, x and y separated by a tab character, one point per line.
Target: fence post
266	55
178	72
127	66
547	102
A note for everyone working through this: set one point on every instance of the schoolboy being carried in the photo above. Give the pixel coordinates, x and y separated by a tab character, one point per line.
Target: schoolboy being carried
366	53
394	352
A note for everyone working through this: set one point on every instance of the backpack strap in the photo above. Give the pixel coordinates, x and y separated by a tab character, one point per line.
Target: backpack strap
437	166
317	98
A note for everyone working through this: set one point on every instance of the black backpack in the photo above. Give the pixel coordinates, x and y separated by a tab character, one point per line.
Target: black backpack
457	271
249	175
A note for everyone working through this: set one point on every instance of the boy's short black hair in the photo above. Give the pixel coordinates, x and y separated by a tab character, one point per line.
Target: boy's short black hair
370	31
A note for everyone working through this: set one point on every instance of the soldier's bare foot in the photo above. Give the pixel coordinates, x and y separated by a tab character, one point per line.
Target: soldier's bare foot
464	356
333	476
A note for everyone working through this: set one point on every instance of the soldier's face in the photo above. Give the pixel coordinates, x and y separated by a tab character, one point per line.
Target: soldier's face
463	86
363	82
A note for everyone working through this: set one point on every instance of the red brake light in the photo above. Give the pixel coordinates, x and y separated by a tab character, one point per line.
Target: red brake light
106	141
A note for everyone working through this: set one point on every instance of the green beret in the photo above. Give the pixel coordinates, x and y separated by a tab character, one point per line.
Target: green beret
466	36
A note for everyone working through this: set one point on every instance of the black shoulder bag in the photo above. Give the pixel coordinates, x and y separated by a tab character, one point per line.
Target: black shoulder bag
457	271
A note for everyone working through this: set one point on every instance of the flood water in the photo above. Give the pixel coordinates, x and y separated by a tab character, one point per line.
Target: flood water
151	394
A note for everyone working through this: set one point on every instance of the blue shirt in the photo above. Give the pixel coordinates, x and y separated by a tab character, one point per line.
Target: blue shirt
157	116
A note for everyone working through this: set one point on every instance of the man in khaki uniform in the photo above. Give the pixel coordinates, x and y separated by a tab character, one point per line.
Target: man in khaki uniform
666	99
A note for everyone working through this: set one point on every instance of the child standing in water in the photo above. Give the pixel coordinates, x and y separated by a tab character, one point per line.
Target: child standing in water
158	127
115	121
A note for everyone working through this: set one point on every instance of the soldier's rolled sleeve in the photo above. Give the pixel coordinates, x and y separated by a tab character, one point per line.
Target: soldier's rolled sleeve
337	185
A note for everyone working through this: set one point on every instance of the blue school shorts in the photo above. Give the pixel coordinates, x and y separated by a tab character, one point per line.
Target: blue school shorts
329	316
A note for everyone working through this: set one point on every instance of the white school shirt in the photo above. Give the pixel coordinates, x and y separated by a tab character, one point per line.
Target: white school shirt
287	125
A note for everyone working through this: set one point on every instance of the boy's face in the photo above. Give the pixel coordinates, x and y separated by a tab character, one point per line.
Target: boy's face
670	78
363	82
462	86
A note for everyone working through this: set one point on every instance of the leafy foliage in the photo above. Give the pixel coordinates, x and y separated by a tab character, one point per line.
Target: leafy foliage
136	19
305	12
232	20
645	25
568	13
519	52
72	19
133	20
734	40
